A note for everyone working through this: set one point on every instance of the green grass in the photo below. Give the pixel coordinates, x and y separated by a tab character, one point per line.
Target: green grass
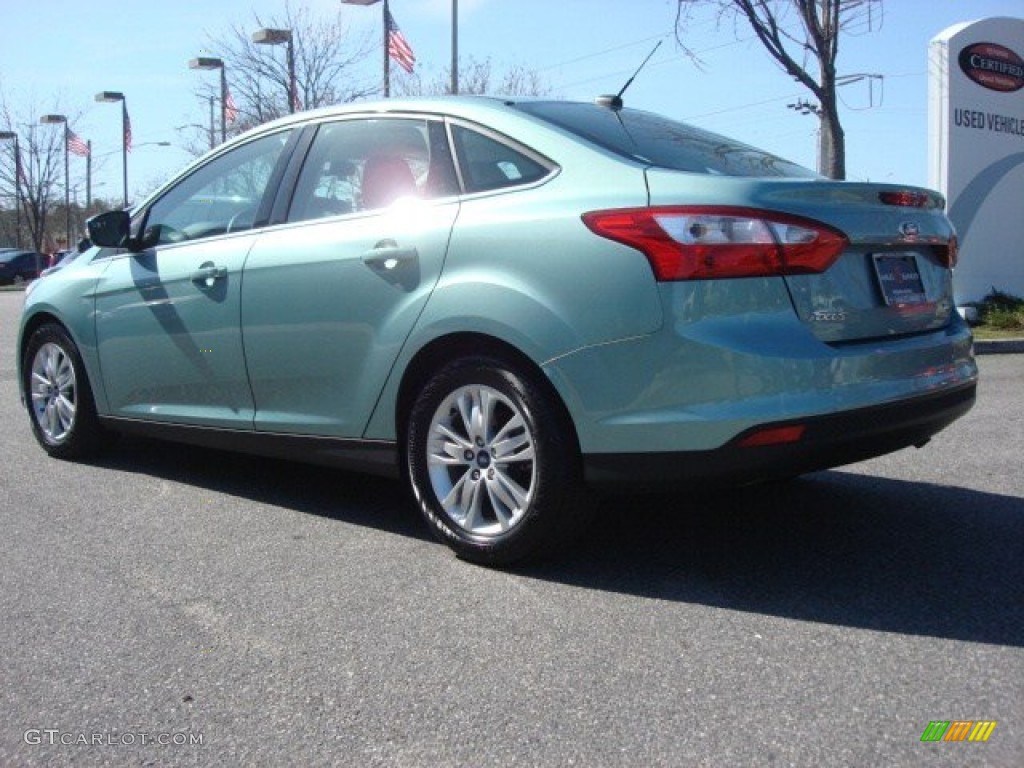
987	333
1000	316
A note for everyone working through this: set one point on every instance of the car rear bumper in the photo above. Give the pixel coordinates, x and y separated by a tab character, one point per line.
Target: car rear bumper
827	441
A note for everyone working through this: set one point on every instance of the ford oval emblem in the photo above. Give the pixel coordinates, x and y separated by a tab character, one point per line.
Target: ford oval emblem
909	230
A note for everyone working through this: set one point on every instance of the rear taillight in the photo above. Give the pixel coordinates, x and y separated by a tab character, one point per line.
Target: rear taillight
907	198
705	242
951	253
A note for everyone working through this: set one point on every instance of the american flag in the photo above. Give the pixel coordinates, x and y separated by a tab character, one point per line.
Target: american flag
230	110
76	146
127	132
398	46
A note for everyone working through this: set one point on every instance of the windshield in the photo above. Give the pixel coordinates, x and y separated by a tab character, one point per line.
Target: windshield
659	141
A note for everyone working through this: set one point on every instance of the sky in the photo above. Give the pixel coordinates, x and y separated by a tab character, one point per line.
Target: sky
57	54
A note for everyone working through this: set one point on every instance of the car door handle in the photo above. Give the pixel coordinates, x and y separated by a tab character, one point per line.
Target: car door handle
208	273
387	255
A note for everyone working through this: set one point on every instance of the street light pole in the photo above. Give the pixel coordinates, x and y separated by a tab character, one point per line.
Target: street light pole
455	48
387	57
209	62
213	130
384	26
5	136
223	103
88	180
63	120
112	96
276	37
454	86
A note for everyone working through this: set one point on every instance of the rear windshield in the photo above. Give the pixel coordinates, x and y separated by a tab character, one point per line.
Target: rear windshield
659	141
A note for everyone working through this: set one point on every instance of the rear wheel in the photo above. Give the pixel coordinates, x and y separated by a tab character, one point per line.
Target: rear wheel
492	463
60	403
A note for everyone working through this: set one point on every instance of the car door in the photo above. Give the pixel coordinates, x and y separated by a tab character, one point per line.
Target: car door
329	298
167	317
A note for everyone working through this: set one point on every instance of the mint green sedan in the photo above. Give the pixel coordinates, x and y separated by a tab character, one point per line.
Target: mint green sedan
508	305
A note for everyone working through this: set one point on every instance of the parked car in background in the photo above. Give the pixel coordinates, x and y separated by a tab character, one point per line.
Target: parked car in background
63	258
17	266
506	304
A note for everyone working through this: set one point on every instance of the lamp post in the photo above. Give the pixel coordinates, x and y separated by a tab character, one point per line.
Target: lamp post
454	87
63	120
209	62
387	62
213	131
276	37
88	181
111	97
455	48
8	136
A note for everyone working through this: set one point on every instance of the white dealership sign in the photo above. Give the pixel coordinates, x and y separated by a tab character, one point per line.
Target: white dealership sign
976	149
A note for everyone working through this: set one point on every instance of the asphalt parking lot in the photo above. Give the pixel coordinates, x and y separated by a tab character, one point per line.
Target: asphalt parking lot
290	615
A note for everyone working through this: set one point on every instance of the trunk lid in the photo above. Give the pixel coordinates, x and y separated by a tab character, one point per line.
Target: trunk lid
891	280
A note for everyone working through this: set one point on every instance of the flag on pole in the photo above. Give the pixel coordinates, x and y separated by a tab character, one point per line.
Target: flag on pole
398	47
127	133
76	146
230	110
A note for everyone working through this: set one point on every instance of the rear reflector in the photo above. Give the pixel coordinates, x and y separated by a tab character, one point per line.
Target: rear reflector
708	242
773	436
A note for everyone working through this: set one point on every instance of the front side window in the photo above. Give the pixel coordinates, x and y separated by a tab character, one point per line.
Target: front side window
220	197
366	164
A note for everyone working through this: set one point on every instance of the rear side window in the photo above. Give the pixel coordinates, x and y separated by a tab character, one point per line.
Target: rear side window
659	141
487	163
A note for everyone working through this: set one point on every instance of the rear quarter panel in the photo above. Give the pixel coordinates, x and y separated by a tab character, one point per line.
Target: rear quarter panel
524	269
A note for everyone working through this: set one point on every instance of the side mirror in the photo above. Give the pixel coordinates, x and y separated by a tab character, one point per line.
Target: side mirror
110	230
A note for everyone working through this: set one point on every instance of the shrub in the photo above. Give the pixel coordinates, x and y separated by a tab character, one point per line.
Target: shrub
1002	310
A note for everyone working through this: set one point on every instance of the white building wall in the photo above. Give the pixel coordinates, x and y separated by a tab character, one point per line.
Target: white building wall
976	149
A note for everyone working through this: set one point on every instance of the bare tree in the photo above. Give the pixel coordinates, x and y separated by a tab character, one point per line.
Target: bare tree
42	171
820	24
475	77
327	60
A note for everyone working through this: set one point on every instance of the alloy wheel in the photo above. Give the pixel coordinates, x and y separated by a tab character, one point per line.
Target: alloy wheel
481	460
54	392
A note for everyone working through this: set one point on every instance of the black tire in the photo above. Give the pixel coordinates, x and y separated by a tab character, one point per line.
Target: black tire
527	422
64	432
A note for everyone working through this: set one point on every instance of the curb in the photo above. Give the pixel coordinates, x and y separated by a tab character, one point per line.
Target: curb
998	346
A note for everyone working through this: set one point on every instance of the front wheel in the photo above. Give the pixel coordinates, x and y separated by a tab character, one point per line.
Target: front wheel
493	464
60	403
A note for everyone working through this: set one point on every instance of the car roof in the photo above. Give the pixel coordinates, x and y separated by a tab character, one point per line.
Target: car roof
494	112
460	106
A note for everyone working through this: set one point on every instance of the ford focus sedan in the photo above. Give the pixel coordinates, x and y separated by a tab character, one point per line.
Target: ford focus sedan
507	304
